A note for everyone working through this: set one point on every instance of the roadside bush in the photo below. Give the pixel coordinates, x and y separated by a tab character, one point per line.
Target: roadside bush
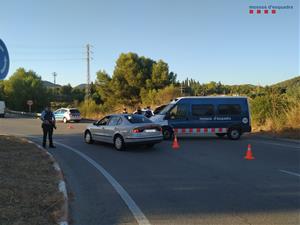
269	107
89	109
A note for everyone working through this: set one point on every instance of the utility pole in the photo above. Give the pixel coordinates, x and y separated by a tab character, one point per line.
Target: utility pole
54	81
54	78
87	87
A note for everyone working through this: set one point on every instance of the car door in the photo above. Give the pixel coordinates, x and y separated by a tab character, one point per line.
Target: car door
97	130
110	129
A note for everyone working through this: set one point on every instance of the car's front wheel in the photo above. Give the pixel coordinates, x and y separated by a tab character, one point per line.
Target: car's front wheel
234	133
88	137
65	120
119	143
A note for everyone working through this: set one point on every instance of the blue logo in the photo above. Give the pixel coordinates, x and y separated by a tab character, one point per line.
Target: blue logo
4	60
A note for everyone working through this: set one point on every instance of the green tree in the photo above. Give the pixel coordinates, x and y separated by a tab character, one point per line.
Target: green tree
22	86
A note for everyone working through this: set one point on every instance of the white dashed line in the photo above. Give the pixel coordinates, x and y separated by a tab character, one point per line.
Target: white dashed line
135	210
290	173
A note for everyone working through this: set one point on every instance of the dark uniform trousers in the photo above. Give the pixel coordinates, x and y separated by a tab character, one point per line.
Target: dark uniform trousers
47	131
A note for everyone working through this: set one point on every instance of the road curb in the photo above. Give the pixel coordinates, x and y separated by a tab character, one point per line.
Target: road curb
61	185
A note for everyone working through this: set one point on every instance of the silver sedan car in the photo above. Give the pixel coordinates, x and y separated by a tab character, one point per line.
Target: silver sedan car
123	129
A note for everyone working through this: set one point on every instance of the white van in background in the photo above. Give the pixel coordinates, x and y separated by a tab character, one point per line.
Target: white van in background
2	109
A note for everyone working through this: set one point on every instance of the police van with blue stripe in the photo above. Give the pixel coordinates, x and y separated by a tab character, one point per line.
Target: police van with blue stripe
196	116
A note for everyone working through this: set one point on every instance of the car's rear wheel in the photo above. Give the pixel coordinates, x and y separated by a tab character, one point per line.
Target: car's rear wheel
220	135
65	120
119	143
88	137
167	133
234	133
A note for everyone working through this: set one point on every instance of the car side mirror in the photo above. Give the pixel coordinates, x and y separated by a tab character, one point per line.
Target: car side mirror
95	123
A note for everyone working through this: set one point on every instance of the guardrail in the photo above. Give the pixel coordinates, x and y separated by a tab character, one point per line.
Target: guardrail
22	114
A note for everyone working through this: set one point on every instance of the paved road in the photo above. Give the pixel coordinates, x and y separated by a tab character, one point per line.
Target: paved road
206	181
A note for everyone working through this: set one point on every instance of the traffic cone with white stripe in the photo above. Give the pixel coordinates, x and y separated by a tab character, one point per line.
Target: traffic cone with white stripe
249	155
175	144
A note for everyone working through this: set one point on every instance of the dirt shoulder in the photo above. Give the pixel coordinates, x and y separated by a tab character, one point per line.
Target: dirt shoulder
28	188
288	133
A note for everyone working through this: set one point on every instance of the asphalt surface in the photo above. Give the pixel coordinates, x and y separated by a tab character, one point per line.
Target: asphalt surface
206	181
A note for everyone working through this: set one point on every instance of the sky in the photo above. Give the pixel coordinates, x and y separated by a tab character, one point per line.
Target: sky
207	40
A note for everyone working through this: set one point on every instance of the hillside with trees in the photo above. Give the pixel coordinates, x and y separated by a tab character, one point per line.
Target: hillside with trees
141	81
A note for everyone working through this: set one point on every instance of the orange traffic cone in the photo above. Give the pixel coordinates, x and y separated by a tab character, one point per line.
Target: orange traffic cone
249	155
175	144
70	127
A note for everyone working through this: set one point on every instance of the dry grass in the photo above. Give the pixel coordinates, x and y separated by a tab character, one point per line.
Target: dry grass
28	187
287	126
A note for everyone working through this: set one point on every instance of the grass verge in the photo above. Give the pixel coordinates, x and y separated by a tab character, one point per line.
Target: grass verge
28	187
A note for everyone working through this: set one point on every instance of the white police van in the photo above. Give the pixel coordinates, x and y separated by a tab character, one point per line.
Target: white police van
195	116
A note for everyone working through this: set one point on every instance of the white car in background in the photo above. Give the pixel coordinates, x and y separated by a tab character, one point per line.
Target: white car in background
67	115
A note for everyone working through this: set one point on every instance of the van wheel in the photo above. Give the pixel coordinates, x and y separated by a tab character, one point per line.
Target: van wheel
167	133
65	120
220	135
234	133
119	143
88	137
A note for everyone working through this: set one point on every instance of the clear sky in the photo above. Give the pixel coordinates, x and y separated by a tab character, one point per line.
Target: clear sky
207	40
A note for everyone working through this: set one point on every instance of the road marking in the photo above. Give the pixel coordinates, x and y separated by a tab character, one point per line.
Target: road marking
290	173
278	144
135	210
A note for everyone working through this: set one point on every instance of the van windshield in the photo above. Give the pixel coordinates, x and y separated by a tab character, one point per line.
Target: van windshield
166	109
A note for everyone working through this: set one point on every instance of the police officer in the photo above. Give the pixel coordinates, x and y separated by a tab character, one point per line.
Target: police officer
138	111
48	124
148	112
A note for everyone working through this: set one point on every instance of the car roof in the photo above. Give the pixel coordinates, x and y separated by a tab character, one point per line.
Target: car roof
211	96
124	114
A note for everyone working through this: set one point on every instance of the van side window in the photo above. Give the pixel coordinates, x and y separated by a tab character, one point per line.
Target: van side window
202	110
229	109
180	111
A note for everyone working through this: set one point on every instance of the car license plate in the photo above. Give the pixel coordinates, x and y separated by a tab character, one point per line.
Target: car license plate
150	130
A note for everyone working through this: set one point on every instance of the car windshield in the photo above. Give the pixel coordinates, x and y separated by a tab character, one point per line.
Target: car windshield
137	119
166	109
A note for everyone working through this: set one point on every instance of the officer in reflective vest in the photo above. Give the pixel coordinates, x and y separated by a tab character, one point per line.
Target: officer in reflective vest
48	124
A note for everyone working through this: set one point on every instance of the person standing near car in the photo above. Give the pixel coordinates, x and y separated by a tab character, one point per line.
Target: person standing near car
148	112
138	111
48	124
